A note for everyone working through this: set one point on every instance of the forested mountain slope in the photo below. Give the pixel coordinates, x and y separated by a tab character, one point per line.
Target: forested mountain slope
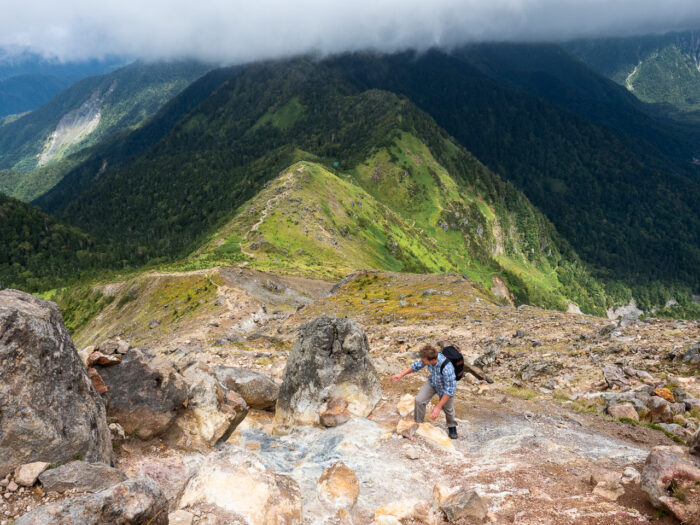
627	208
39	252
161	202
84	114
661	69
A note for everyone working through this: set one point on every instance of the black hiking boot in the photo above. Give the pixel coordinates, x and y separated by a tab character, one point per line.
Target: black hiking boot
452	432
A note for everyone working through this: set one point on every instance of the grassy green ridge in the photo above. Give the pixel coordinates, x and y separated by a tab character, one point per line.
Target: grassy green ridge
129	95
399	210
626	206
269	115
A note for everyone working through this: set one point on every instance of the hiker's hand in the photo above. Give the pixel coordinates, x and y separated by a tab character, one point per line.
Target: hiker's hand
396	377
435	412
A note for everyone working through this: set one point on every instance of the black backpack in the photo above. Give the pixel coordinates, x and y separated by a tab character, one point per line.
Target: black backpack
456	358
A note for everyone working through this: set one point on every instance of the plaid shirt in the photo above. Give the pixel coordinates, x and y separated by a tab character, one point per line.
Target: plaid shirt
443	383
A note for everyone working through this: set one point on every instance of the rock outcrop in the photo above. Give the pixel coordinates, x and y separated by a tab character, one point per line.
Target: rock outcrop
171	473
666	475
234	482
49	410
143	393
213	412
329	360
258	390
80	476
138	501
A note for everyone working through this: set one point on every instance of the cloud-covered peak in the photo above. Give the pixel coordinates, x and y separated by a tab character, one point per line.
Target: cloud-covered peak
236	31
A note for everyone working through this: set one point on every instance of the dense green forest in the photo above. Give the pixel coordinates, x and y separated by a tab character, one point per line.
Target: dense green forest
660	69
40	253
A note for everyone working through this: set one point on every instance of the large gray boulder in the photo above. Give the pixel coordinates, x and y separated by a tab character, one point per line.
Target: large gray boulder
144	393
329	360
80	476
49	410
138	501
258	390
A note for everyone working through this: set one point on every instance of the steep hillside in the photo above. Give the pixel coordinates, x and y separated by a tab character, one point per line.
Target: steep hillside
402	211
37	251
550	73
627	208
661	69
441	209
88	112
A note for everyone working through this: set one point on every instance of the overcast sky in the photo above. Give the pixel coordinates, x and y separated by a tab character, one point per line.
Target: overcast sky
236	31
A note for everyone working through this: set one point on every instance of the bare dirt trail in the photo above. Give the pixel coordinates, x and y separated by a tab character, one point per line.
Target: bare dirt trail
269	205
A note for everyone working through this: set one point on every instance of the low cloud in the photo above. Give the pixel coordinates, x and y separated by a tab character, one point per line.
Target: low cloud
234	31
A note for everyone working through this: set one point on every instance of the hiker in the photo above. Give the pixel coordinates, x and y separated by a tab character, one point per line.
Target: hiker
442	381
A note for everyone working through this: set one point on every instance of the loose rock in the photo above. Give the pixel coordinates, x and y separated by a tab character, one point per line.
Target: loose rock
338	487
143	393
257	390
98	358
464	504
408	509
614	376
336	413
623	411
81	477
664	393
134	502
213	412
26	475
659	410
406	405
630	475
664	467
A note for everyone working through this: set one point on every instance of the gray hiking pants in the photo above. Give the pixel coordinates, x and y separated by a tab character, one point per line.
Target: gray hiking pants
423	398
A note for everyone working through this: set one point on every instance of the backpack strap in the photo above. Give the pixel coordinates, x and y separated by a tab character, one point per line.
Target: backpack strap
443	365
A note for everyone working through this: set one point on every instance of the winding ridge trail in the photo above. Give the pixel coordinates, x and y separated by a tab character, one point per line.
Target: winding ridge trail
272	201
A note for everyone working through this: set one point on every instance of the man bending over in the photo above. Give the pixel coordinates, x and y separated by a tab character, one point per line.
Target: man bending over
442	381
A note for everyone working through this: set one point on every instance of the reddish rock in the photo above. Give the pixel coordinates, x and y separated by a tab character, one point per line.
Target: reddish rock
336	413
97	381
665	469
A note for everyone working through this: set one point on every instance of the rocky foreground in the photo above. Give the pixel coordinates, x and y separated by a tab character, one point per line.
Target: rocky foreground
264	404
